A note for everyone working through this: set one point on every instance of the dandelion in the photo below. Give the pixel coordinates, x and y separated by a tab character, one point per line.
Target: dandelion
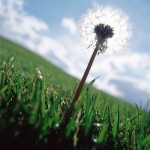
107	26
103	29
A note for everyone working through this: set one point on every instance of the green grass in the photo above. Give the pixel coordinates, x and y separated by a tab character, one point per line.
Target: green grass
32	109
27	62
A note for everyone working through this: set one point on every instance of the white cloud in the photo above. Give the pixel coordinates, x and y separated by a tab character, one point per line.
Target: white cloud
69	24
132	67
16	20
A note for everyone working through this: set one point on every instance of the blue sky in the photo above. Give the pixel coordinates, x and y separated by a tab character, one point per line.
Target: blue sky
50	28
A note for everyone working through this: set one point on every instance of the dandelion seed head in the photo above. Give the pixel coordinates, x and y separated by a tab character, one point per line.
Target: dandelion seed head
108	25
103	31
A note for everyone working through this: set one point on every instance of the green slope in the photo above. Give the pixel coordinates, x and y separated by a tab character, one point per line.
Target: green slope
27	61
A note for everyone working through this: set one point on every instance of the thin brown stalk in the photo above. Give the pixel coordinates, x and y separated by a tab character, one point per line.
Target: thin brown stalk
80	87
82	82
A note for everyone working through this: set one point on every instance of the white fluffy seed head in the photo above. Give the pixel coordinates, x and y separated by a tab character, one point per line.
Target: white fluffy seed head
106	15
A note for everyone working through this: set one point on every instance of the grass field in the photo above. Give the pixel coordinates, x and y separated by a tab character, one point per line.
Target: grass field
35	97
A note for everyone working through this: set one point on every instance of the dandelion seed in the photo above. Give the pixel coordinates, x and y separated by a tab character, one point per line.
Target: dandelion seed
106	27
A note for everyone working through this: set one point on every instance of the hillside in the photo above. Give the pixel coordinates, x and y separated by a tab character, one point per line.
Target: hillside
28	61
36	112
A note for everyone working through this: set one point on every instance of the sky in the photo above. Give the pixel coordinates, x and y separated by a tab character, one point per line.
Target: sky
51	29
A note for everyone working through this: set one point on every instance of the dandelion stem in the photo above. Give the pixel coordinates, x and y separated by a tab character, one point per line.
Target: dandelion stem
82	82
79	89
